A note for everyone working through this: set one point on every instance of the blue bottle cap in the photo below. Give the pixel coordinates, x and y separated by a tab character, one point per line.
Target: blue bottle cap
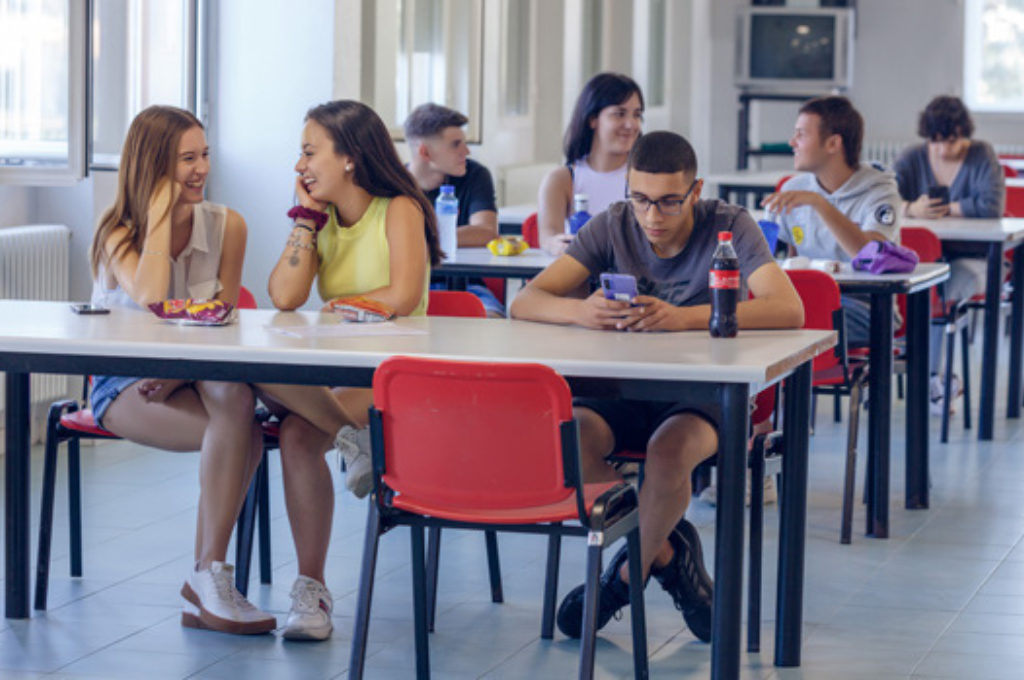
447	188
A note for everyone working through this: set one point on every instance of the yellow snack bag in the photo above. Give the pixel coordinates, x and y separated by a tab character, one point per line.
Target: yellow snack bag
507	245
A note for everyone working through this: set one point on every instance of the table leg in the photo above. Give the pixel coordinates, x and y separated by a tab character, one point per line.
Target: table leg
880	413
732	473
789	605
993	288
1013	393
17	493
918	326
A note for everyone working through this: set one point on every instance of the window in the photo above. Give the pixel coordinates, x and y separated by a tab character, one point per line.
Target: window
42	92
434	56
515	70
143	53
139	52
994	55
593	13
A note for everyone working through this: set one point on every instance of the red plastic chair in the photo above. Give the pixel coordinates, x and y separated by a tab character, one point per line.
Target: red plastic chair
834	373
1009	172
778	185
531	232
951	315
446	453
1014	201
69	422
454	303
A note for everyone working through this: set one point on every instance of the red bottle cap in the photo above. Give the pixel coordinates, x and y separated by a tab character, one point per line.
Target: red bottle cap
725	236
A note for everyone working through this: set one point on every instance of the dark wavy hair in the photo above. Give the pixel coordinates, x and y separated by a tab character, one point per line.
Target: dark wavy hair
839	117
945	117
601	91
359	133
663	152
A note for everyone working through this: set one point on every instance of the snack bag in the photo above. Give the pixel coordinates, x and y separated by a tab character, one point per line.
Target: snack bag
197	312
361	309
507	245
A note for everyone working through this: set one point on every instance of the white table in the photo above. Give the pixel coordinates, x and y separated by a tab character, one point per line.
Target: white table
991	238
743	182
479	262
883	289
47	338
511	217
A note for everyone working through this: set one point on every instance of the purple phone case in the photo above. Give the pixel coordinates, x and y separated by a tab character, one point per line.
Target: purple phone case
620	287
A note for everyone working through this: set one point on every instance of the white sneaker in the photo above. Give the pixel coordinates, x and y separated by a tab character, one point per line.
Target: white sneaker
937	390
211	602
310	617
354	447
710	494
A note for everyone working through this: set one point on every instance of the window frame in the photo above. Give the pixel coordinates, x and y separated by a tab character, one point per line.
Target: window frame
74	170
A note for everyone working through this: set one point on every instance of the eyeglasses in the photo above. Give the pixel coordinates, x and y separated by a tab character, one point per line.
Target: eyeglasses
666	206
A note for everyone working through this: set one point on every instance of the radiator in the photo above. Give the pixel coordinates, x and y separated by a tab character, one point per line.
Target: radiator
34	266
886	153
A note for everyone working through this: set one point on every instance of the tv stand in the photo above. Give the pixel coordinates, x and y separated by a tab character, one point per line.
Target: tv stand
744	151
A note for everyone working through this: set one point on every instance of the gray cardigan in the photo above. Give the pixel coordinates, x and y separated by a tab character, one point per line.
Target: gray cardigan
979	186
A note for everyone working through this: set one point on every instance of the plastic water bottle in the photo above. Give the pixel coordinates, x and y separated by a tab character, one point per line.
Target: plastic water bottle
724	282
579	216
447	209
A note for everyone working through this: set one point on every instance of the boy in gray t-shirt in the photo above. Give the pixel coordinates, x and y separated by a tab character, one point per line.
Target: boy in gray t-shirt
664	235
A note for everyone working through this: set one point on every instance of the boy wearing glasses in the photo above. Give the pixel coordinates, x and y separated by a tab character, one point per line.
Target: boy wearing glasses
665	236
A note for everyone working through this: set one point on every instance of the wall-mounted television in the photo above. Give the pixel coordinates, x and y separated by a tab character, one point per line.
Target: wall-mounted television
788	48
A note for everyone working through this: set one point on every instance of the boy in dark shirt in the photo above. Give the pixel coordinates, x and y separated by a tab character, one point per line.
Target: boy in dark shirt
439	155
664	235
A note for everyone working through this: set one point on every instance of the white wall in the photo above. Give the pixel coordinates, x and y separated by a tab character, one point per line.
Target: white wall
268	68
14	206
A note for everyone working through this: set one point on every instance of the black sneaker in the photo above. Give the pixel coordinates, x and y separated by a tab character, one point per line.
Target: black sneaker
686	580
613	597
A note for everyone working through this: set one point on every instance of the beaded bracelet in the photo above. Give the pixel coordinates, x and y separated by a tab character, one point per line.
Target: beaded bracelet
299	244
301	212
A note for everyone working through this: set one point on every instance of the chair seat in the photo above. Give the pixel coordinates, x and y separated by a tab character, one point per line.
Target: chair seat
834	375
83	421
563	511
271	428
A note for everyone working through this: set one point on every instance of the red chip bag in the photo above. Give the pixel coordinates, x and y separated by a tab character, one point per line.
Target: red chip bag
361	309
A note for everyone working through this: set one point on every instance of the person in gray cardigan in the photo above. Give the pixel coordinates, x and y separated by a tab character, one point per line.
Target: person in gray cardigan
969	169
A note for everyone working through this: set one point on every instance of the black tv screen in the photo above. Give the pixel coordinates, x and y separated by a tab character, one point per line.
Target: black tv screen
792	47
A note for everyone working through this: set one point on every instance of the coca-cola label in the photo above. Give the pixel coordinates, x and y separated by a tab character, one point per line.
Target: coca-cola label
727	280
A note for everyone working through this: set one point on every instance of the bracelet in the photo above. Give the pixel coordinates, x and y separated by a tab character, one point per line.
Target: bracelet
301	212
299	244
303	226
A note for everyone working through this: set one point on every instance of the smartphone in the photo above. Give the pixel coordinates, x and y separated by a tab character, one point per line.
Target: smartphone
88	308
620	287
940	192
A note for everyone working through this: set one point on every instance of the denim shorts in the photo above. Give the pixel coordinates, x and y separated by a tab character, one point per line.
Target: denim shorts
105	389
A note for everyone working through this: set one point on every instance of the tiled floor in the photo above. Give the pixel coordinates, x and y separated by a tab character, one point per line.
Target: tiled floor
943	598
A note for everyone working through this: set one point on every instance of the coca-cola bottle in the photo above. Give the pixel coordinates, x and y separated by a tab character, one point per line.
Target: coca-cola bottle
724	282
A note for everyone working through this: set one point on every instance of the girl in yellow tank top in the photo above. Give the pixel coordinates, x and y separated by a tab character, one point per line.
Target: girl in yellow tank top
362	227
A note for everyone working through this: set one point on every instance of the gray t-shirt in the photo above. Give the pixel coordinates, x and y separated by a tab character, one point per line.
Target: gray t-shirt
614	242
870	198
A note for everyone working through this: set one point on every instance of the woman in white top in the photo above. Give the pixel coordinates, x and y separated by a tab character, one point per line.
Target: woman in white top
161	240
606	122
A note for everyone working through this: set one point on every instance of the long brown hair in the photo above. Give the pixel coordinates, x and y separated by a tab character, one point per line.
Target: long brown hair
150	154
359	133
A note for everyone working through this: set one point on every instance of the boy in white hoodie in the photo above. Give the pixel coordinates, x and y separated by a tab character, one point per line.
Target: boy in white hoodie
838	204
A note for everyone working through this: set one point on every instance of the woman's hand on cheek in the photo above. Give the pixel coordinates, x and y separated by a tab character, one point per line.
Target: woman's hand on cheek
305	200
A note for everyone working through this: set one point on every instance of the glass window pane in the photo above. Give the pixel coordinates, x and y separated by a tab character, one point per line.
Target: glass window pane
994	64
34	82
141	57
517	58
655	90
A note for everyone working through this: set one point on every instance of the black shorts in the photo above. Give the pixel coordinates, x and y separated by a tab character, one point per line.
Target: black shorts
634	422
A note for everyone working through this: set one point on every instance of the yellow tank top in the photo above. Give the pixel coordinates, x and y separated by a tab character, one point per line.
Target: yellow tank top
356	260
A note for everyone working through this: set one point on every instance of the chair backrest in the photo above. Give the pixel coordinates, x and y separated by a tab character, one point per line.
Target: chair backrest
531	232
463	435
246	300
922	241
822	306
455	303
778	185
1014	201
1009	172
